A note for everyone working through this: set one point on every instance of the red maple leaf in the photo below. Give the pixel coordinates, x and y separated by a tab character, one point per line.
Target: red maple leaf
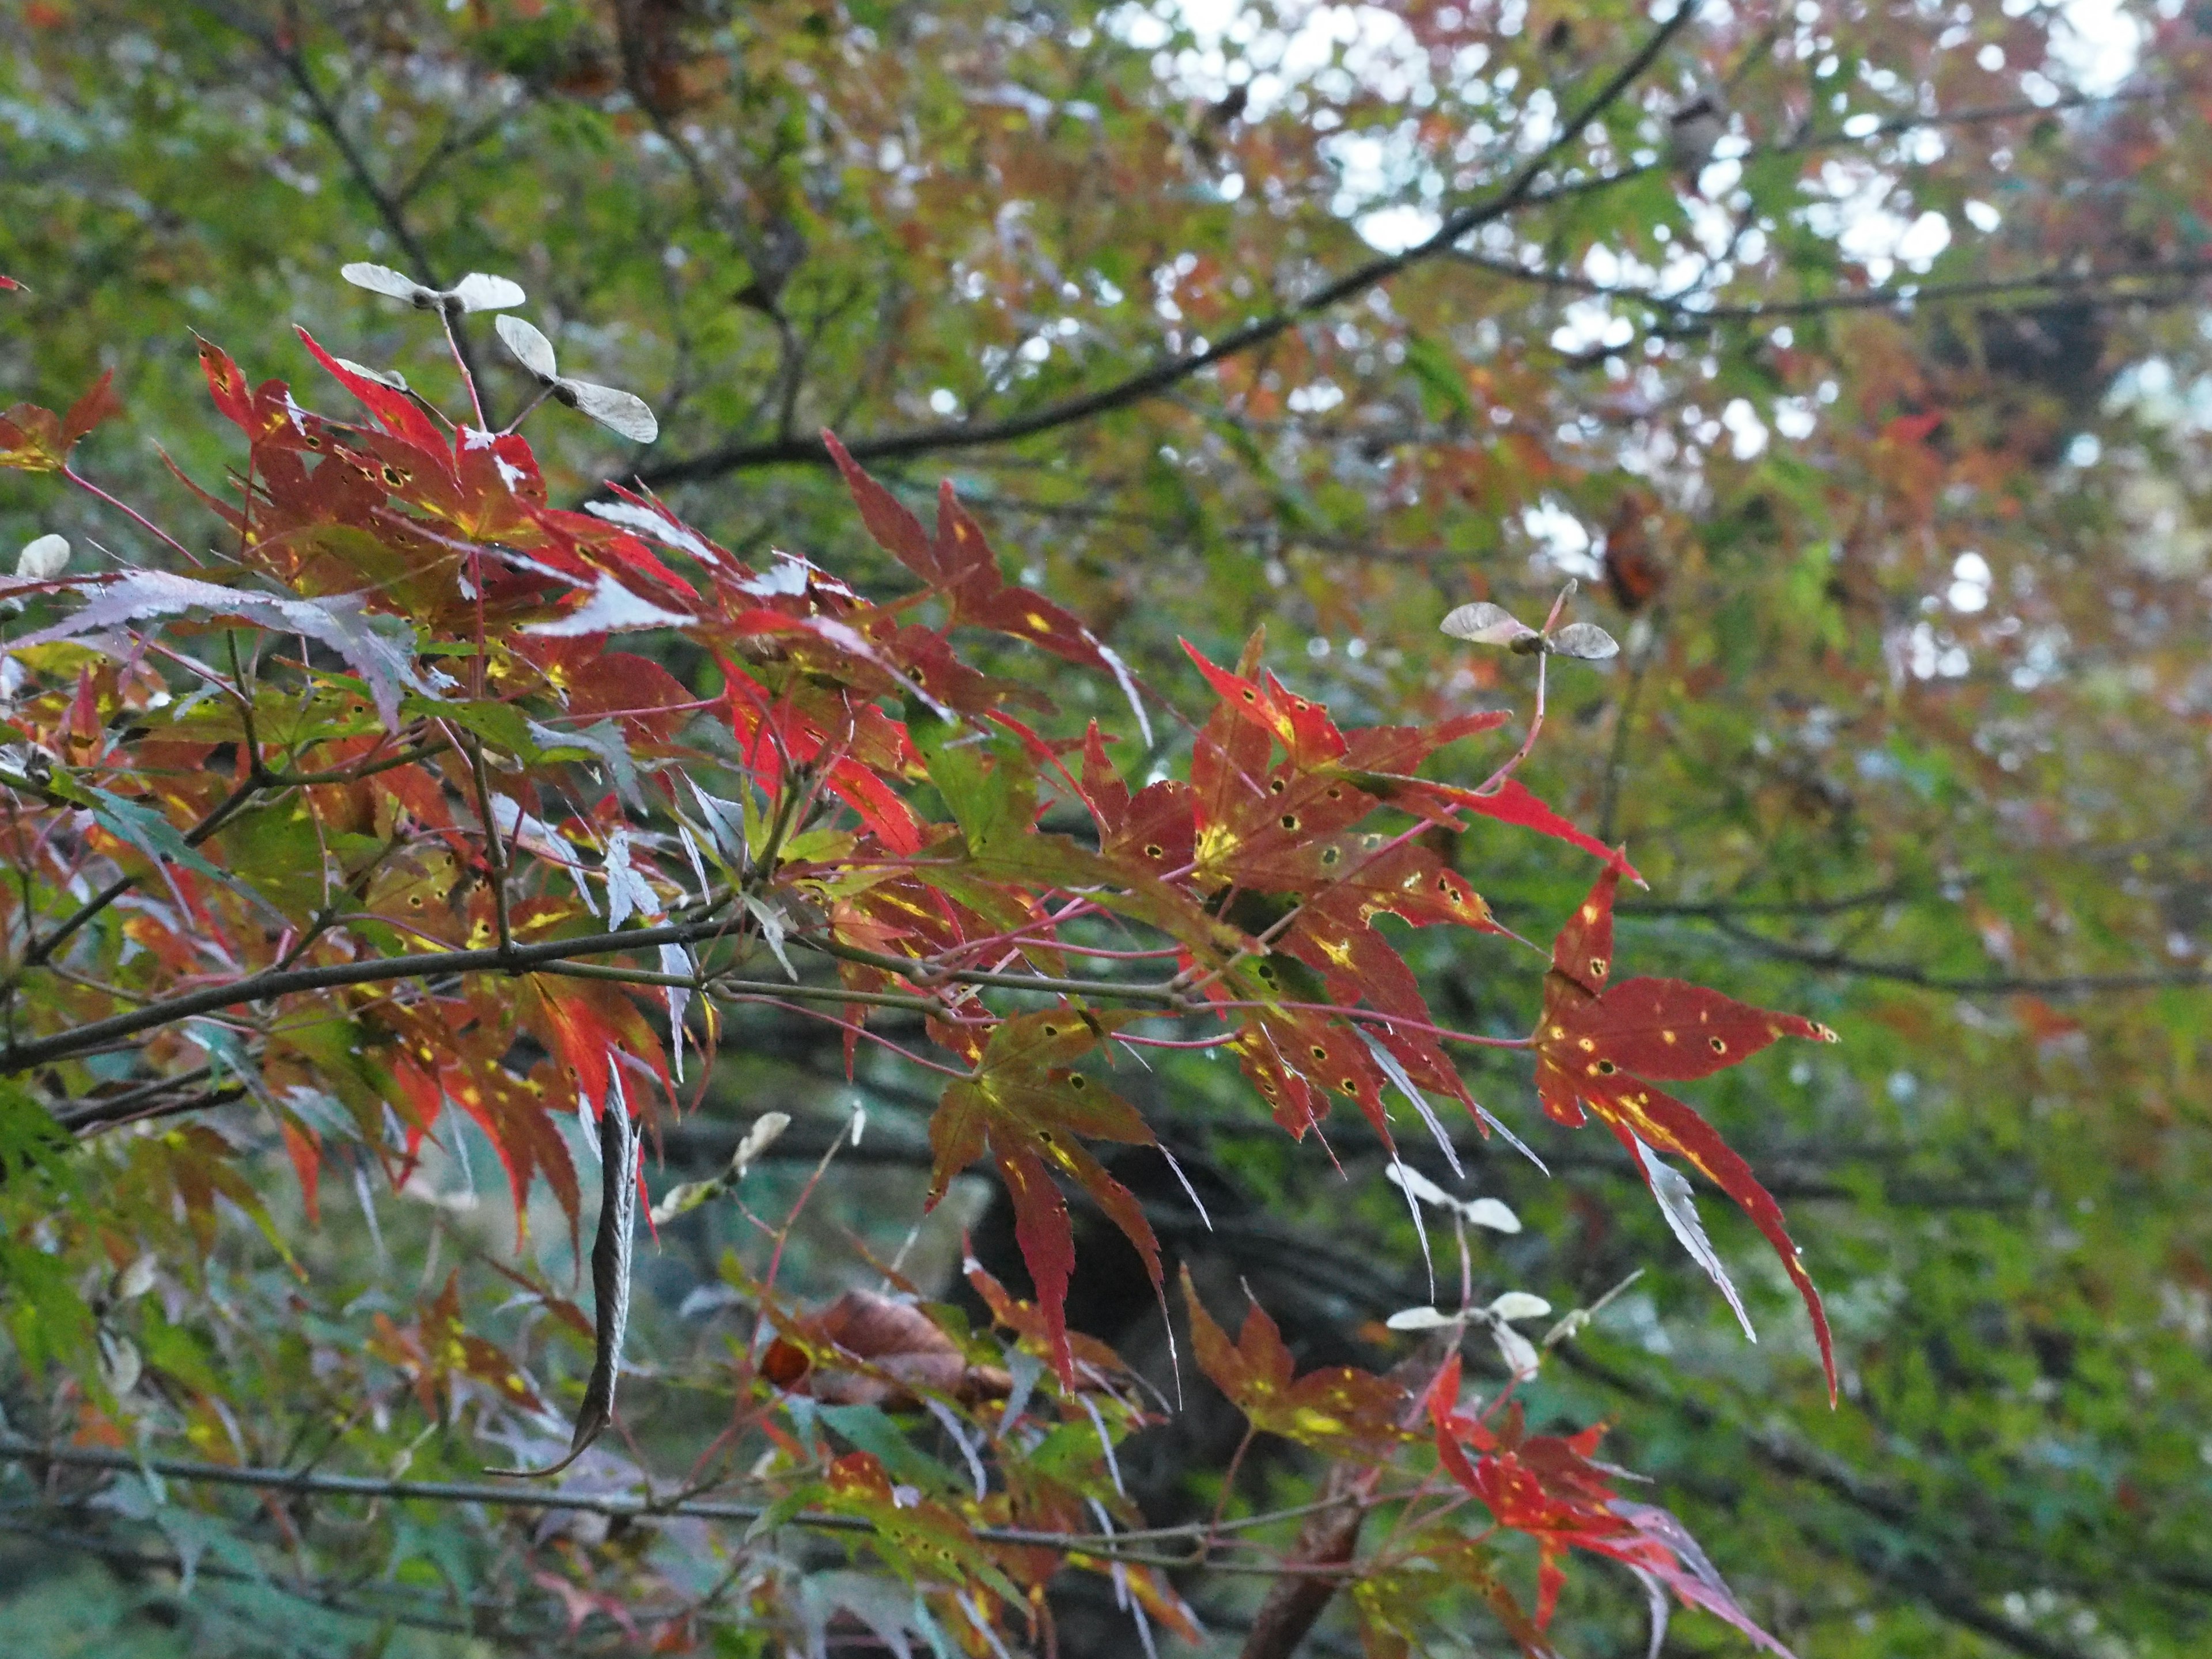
1603	1047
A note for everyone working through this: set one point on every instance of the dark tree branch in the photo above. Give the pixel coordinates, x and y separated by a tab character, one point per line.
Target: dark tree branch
1166	372
1830	961
144	1104
291	58
1891	892
614	1505
1171	371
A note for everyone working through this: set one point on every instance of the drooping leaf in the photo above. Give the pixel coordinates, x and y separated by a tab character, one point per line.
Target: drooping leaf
1031	1109
866	1349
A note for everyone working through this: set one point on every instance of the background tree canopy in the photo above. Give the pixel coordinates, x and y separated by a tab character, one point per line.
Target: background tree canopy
1851	355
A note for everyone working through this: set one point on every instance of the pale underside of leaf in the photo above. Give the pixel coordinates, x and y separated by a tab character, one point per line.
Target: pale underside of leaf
1586	641
1680	1206
1485	624
342	621
624	412
612	609
660	527
530	348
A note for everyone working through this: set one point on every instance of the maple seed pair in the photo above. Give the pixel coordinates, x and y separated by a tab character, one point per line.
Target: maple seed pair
1485	624
620	411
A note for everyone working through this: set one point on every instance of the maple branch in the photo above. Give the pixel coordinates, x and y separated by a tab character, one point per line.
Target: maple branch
613	1506
1890	892
221	814
1168	995
1267	532
257	779
143	1104
719	985
1297	1601
129	512
519	959
255	988
1171	371
1827	960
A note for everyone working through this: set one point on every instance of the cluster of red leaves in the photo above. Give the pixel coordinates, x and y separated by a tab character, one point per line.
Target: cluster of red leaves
1545	1487
458	787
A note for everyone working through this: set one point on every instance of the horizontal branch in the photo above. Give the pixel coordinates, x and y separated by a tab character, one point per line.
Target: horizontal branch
614	1505
1167	372
1172	370
257	987
1830	961
548	956
1895	892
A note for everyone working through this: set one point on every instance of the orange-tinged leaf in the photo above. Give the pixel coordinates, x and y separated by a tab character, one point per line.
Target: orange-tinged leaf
31	438
99	404
1339	1408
